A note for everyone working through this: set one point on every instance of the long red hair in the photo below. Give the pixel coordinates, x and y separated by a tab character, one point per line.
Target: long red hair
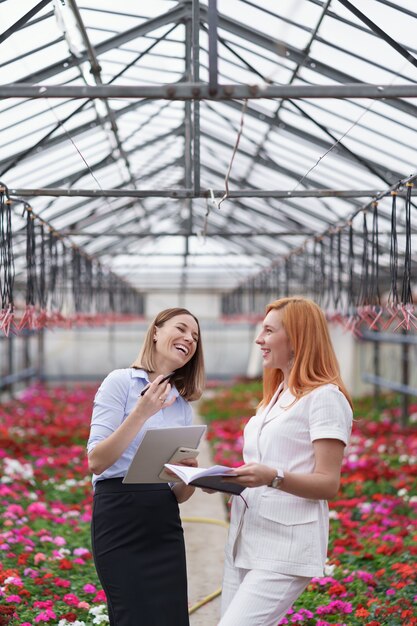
314	360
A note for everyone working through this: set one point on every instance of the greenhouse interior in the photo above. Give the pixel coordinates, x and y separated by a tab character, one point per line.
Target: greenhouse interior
212	157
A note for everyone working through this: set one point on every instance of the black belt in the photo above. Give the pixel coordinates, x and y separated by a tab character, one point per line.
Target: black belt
115	485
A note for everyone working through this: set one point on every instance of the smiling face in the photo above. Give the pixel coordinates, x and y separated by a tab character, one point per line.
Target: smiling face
274	343
175	342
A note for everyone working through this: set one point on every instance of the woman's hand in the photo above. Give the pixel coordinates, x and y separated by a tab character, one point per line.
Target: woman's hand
155	398
190	462
106	452
252	475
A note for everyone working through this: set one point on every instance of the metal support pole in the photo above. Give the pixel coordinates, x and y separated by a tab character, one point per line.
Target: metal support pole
10	359
213	20
40	365
377	373
26	351
196	103
188	150
405	381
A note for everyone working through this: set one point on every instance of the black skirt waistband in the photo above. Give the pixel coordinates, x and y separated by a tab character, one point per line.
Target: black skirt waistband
115	485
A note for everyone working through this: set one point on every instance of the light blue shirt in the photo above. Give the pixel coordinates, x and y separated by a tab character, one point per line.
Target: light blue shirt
114	400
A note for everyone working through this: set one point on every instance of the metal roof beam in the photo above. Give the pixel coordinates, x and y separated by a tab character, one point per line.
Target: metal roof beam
204	193
201	91
381	33
23	20
223	234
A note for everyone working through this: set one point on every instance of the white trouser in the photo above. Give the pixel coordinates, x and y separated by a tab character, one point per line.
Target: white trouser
257	597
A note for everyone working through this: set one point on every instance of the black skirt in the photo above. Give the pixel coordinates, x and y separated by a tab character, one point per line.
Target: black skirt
139	553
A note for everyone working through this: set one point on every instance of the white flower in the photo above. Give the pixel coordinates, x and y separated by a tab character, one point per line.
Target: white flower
101	619
329	569
97	610
12	468
365	507
402	493
100	613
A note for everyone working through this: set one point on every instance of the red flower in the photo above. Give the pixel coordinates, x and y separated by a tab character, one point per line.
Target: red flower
337	589
70	617
361	612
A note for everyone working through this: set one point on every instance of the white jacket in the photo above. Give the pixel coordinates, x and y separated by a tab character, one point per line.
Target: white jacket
279	531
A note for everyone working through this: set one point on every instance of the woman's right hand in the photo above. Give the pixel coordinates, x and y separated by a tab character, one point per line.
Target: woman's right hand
155	398
107	452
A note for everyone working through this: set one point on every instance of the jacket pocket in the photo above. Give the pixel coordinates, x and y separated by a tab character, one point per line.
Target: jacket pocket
288	510
288	529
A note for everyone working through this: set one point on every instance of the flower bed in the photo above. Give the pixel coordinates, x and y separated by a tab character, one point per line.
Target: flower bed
46	569
372	570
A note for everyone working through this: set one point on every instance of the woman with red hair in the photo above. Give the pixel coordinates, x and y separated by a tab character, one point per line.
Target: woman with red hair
293	452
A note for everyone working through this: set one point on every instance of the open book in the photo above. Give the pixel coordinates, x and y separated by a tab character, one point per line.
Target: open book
209	478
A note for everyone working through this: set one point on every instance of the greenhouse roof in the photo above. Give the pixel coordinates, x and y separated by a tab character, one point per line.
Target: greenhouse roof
192	145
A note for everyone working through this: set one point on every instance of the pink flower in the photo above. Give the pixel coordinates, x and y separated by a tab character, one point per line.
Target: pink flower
60	541
89	588
46	616
39	556
13	598
83	605
100	597
43	604
71	599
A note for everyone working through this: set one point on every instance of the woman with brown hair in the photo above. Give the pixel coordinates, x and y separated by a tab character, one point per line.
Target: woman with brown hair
293	452
137	537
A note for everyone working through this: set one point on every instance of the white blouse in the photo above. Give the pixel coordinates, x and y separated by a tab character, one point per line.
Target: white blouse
279	531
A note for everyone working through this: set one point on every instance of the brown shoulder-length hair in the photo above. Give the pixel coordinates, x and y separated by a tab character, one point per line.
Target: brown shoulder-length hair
189	379
314	360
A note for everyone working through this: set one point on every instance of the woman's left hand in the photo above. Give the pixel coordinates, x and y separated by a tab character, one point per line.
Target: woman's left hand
191	462
253	475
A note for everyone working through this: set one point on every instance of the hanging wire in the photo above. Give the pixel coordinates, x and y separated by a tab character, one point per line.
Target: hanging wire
375	296
351	270
7	270
30	257
363	298
393	295
330	291
239	134
47	274
339	279
406	292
